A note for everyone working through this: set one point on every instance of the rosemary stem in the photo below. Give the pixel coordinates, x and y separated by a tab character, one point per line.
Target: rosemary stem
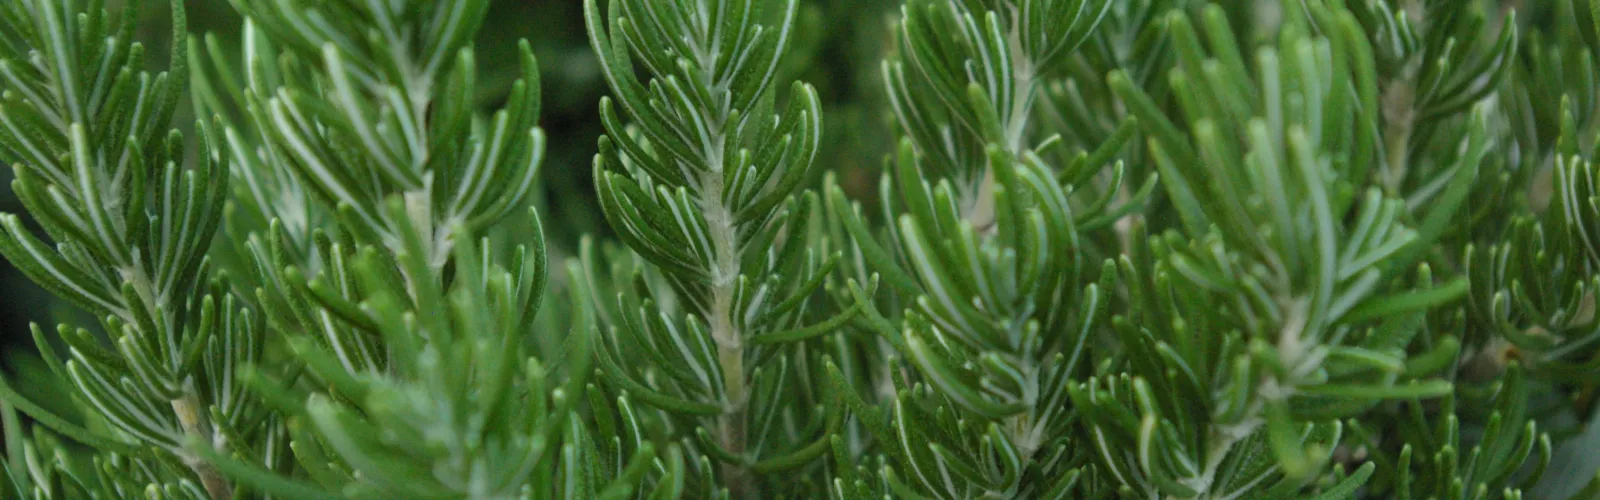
188	410
725	269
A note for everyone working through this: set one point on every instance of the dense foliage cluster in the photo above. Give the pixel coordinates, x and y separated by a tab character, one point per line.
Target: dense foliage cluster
1152	249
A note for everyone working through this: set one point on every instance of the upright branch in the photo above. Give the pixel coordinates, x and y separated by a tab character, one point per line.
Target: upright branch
126	227
1431	63
968	75
1295	261
372	102
989	258
704	183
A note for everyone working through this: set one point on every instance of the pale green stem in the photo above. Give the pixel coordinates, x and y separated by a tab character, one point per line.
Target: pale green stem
723	232
190	418
188	408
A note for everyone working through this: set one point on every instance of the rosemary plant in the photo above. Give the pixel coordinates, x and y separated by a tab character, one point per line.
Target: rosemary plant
412	334
1159	249
126	229
704	184
997	317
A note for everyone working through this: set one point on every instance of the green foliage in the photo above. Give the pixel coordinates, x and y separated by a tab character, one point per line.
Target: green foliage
995	320
704	184
126	230
1116	249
